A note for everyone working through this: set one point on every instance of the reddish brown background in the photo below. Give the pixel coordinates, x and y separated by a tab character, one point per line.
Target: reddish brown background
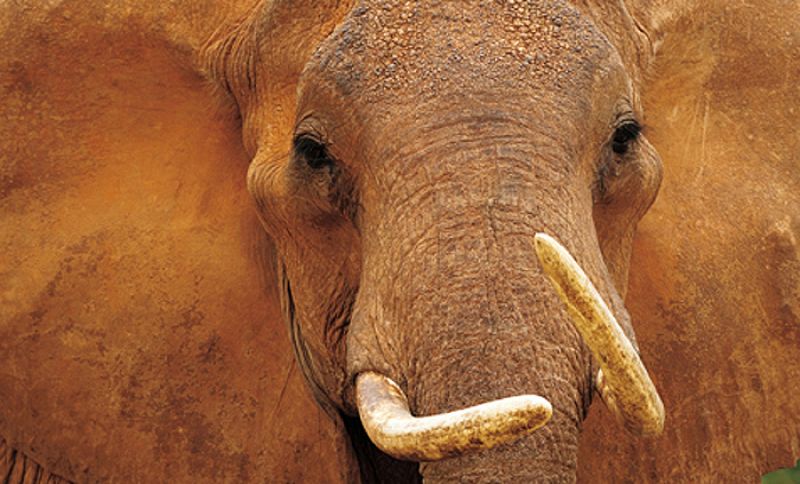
140	337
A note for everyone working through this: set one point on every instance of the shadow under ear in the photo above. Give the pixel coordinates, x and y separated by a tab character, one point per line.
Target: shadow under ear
375	466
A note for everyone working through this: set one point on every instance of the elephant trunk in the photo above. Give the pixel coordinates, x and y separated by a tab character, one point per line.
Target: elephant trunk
458	310
523	346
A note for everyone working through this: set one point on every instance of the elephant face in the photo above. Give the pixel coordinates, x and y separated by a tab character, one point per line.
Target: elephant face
430	144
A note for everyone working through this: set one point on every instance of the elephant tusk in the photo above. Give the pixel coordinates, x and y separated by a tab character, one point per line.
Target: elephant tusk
384	412
623	381
605	393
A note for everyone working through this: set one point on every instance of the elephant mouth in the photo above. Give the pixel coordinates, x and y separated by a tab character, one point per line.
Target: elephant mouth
622	381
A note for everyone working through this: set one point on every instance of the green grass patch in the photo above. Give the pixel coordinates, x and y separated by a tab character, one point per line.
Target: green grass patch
783	476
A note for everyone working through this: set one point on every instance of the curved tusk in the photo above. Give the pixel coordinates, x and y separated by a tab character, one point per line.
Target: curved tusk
623	382
384	412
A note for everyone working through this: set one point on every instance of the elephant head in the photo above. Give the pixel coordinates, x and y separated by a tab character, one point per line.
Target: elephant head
410	161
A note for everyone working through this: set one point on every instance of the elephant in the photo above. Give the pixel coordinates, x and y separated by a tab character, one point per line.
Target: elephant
382	241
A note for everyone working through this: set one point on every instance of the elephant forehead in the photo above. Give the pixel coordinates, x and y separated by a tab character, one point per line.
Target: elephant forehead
422	48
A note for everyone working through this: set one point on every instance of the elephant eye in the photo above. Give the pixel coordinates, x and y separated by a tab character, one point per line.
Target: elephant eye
624	134
312	151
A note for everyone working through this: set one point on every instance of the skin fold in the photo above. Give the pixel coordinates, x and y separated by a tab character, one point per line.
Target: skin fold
469	158
215	216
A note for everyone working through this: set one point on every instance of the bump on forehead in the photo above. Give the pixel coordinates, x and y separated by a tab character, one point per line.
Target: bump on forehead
420	48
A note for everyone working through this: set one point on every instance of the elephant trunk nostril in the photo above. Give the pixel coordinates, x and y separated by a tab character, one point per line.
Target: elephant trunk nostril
384	412
623	382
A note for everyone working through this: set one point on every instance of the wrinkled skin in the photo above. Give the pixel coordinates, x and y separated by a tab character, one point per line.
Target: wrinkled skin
442	170
140	322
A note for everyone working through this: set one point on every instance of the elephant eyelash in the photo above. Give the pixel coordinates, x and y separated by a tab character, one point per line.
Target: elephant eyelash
313	152
624	134
330	180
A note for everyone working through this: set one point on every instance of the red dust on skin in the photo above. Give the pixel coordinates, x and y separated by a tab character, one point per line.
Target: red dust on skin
140	328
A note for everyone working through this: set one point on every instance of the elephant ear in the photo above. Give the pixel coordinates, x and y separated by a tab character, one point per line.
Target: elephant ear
258	63
140	329
715	274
